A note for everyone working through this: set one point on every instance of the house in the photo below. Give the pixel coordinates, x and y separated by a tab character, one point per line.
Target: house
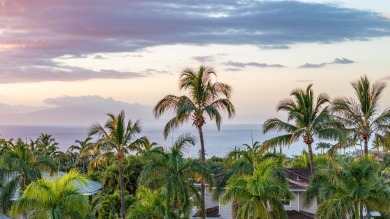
90	188
298	180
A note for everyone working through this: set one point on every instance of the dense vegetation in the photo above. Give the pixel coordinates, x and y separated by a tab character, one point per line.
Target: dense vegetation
141	179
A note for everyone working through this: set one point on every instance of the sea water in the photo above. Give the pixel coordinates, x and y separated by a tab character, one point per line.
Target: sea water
217	143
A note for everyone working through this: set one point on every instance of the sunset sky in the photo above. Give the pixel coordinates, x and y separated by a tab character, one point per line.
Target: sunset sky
116	54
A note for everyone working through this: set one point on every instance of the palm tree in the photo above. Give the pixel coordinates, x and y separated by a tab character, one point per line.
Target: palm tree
301	161
310	119
204	99
361	117
241	161
82	150
150	204
322	146
108	205
19	167
54	198
145	146
260	194
46	144
345	185
117	137
5	145
173	174
132	167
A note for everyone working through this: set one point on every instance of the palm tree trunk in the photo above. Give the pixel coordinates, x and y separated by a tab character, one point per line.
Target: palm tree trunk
202	184
311	159
366	146
357	210
123	207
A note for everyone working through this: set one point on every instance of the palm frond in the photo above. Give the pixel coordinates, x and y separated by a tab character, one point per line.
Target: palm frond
276	124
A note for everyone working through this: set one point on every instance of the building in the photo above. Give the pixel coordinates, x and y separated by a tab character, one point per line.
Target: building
91	187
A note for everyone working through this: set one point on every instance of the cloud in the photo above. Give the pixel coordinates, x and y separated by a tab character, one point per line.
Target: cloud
309	65
99	57
7	108
341	61
55	72
35	32
232	69
252	64
89	100
150	71
203	59
76	110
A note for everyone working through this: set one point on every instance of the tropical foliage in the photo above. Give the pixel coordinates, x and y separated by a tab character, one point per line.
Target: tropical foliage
151	204
361	116
205	98
310	119
54	198
174	175
344	186
20	165
259	195
117	137
142	179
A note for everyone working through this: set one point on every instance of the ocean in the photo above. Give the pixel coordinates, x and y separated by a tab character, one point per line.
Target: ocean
217	143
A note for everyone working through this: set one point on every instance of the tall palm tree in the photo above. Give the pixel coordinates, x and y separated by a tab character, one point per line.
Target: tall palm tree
260	194
361	117
55	198
205	98
117	137
345	185
175	175
310	119
19	167
82	150
132	167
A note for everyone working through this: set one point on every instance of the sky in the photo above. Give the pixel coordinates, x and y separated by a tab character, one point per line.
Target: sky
68	61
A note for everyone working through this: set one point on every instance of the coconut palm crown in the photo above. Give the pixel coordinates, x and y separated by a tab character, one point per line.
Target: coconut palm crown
361	117
310	119
205	98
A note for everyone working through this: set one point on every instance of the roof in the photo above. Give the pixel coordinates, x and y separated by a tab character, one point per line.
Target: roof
299	215
218	177
298	178
210	212
2	216
91	187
